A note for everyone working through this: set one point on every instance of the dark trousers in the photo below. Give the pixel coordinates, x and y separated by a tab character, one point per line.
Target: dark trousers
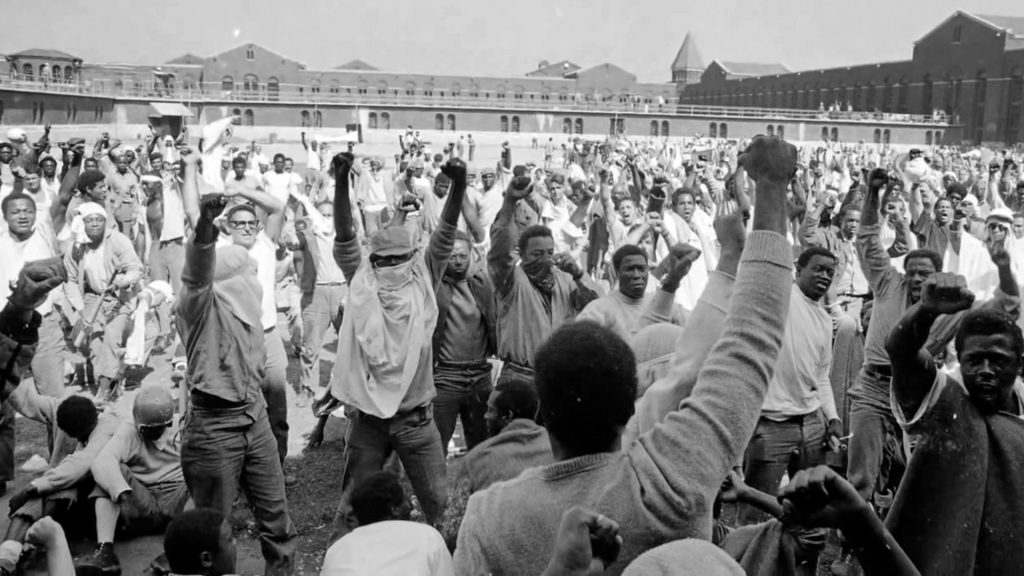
7	441
871	421
414	437
221	453
777	448
275	381
462	390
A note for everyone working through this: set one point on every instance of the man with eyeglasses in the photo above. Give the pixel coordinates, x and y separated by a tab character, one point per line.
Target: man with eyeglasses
260	239
384	366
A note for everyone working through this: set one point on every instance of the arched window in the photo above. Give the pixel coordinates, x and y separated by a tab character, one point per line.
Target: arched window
938	137
664	128
385	120
928	138
236	117
451	122
780	131
273	88
305	119
55	73
579	125
27	72
878	136
713	130
770	130
834	134
566	125
503	124
318	119
926	95
371	121
250	85
227	84
723	130
69	74
439	122
885	136
654	127
515	124
250	118
824	132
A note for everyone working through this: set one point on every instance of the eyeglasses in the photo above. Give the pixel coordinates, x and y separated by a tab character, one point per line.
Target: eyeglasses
243	224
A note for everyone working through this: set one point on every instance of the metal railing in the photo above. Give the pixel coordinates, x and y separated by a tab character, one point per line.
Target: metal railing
398	97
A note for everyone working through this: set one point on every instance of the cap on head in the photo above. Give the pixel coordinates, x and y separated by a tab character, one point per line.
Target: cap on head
75	141
1004	215
154	406
392	241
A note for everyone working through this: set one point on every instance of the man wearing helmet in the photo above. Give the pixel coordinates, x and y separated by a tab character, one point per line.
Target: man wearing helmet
138	475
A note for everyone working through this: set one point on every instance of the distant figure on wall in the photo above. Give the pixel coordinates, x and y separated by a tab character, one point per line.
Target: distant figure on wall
472	146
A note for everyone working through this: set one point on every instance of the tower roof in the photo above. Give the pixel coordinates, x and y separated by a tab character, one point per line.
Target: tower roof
688	57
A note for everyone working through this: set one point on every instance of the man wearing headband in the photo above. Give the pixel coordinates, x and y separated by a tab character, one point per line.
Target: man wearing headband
227	442
384	367
103	270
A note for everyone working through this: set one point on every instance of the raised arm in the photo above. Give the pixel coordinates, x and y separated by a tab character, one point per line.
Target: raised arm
59	209
913	369
190	186
200	253
442	240
346	244
874	259
504	235
726	401
272	206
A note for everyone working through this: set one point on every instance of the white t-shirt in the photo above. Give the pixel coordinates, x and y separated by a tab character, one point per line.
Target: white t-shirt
279	185
174	212
38	246
389	548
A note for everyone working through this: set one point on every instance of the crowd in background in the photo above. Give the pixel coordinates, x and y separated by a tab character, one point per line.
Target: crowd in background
632	332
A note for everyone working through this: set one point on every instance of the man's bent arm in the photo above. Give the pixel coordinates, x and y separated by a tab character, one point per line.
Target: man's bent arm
913	369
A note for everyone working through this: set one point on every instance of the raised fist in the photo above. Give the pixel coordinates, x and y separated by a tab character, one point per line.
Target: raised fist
566	263
341	164
455	170
35	281
211	206
770	158
519	188
946	293
878	178
677	265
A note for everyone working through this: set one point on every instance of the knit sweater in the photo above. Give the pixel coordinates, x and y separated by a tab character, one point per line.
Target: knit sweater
627	315
662	487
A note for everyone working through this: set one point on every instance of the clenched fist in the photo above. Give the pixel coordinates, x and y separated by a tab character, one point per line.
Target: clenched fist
35	281
341	164
878	178
455	170
769	158
946	293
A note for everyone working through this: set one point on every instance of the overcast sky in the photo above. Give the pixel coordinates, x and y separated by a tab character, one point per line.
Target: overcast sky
478	37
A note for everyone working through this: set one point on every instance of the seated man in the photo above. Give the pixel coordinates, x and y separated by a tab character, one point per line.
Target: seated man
199	542
516	442
625	310
138	475
663	486
79	431
386	542
959	509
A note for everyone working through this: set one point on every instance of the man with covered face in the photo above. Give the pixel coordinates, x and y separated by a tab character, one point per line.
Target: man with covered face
227	442
139	482
384	367
535	297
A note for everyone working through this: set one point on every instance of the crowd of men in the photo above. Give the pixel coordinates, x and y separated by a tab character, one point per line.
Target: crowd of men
823	337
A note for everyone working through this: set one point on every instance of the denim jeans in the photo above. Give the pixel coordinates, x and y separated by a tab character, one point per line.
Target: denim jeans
107	339
777	448
275	380
871	420
462	390
7	440
320	310
414	437
223	451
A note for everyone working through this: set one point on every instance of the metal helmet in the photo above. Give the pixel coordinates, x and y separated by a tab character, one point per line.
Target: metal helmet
154	406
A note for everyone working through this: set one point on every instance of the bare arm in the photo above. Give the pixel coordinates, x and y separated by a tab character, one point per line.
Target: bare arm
272	206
